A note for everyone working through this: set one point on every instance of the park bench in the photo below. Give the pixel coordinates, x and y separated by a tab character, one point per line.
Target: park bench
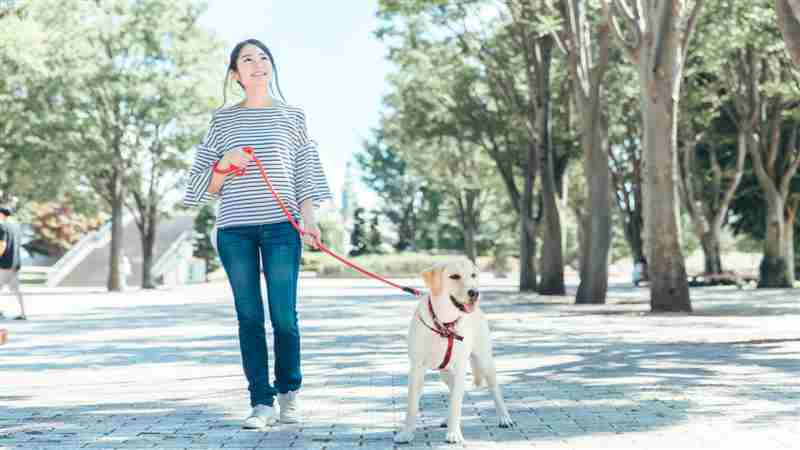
725	278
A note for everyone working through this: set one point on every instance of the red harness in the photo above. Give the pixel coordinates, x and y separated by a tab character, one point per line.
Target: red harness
445	330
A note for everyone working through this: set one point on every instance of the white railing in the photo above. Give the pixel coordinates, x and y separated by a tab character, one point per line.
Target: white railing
180	249
89	243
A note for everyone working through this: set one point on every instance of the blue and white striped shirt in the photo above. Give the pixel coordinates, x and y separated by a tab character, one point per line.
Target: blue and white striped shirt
278	136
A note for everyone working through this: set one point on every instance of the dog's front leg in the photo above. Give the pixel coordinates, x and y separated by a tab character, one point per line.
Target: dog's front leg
454	434
415	381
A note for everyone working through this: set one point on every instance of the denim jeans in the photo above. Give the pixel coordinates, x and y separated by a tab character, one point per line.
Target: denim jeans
276	248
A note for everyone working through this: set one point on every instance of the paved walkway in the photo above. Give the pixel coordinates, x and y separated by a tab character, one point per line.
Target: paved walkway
161	370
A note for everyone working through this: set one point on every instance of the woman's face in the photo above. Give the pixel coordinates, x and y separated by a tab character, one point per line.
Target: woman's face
253	67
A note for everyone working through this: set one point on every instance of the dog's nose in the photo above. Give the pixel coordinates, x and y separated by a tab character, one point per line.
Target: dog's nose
473	293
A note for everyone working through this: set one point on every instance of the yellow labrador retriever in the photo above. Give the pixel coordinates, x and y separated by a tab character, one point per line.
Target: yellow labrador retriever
447	330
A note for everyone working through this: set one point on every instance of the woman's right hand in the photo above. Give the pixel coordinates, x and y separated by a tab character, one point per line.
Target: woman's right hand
236	158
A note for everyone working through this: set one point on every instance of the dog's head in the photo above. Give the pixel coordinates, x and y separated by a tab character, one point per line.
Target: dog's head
456	282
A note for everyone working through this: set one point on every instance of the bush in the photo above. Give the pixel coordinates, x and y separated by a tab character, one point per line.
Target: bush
57	227
398	265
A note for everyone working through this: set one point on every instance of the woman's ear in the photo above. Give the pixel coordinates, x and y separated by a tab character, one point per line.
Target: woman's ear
433	279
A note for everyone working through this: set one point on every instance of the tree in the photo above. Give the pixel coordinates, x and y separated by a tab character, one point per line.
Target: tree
427	125
358	237
512	45
625	154
587	91
172	119
387	175
33	110
659	38
148	57
374	238
757	76
707	190
203	247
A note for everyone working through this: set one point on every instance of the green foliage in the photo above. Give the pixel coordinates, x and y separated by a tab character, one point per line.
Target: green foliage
358	237
203	248
386	173
333	232
374	238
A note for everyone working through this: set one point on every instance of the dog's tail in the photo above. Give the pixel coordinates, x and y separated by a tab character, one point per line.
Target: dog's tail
477	375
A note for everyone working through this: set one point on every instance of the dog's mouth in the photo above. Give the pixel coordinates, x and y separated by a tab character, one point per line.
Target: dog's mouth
466	308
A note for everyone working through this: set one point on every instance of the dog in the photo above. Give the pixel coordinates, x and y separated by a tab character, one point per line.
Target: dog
447	330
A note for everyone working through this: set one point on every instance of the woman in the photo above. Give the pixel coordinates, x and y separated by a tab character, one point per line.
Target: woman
253	232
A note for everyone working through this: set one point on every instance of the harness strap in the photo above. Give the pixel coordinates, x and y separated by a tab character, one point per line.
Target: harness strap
446	330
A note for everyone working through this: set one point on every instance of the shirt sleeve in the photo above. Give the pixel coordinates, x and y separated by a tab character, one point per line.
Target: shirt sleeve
309	177
200	174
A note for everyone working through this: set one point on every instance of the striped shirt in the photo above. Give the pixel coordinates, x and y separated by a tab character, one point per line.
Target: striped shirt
278	136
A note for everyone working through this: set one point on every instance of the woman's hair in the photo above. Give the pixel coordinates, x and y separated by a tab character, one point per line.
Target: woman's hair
233	66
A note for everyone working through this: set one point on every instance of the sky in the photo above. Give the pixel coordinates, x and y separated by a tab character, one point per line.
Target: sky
328	63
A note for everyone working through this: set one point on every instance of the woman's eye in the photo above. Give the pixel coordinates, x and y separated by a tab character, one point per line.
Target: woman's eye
455	276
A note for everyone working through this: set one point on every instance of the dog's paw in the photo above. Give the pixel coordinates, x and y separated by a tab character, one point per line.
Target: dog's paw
403	437
455	437
506	422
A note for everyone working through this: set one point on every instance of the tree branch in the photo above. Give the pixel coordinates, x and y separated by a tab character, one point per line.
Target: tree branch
690	26
786	182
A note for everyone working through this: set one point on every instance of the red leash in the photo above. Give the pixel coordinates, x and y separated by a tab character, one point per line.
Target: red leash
240	171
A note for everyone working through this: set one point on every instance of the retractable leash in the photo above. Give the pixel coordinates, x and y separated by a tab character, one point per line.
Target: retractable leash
239	171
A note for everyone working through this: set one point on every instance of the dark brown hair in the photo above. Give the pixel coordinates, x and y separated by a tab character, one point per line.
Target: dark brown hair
232	66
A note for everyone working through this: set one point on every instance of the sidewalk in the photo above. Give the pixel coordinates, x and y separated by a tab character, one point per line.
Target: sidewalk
161	370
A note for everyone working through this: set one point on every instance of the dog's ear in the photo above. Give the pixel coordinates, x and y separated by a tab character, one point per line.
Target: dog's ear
433	279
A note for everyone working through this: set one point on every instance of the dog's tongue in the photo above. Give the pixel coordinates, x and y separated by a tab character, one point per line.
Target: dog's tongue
469	307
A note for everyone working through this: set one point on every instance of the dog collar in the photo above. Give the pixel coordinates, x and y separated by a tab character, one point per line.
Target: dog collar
445	330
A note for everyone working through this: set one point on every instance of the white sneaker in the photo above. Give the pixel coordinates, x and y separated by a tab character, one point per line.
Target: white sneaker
261	416
290	407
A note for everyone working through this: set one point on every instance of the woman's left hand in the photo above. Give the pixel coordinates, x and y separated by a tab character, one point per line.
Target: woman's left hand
312	236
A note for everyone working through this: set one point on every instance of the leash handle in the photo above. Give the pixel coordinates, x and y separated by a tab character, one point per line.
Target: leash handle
241	171
234	168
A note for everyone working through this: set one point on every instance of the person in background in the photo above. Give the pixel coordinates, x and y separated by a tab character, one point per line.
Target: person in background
10	258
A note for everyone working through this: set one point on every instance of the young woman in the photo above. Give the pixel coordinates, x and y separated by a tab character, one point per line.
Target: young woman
253	232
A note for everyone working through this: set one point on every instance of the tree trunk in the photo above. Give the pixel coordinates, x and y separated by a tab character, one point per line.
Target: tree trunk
552	278
469	223
117	199
669	289
773	271
788	12
711	250
148	247
633	235
788	239
594	256
527	263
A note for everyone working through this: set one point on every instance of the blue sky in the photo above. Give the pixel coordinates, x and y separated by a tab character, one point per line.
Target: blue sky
328	63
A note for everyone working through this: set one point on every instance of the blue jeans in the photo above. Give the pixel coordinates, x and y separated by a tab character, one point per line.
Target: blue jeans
276	247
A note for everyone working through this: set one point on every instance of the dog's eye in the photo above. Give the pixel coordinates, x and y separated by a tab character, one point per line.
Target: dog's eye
455	276
474	275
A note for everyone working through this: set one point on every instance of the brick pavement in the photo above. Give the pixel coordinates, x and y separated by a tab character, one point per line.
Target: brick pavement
161	370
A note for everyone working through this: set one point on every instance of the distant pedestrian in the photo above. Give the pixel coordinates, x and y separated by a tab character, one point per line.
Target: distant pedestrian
126	269
10	238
